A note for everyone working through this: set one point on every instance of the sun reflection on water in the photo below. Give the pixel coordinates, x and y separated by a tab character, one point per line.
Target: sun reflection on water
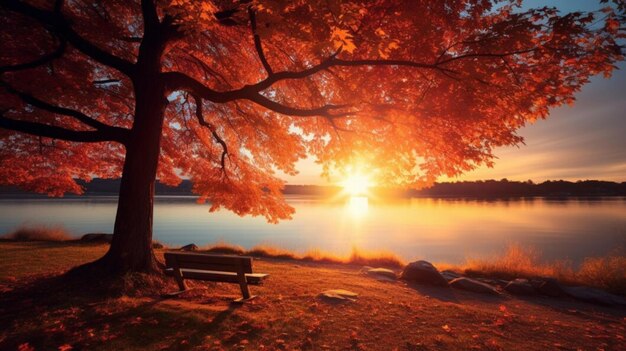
357	206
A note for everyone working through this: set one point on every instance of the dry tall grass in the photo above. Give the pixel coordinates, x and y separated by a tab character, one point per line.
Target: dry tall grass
357	257
606	272
38	233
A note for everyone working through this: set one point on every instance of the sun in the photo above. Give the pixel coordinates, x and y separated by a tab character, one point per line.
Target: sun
356	184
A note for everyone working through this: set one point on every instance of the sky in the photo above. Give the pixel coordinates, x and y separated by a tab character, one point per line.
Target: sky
584	141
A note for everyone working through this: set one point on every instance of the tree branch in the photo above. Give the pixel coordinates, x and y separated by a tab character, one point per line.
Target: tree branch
324	111
150	16
58	52
257	41
48	131
30	99
180	81
478	54
58	24
216	136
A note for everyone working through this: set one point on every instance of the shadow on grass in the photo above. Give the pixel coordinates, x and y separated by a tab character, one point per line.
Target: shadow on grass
47	313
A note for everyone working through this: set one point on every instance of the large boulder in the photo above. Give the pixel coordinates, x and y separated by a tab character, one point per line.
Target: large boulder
473	285
423	272
97	238
520	287
593	295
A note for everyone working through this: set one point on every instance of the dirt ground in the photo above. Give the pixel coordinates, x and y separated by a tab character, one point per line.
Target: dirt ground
41	310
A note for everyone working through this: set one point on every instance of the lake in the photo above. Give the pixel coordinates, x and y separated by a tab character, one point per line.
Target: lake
439	230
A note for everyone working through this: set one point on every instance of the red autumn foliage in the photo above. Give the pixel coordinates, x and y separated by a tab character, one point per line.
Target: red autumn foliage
227	92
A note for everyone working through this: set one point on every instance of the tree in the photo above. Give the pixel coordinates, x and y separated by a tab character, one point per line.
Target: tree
228	92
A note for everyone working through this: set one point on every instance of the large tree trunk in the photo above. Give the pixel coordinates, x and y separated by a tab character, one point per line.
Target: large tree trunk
131	248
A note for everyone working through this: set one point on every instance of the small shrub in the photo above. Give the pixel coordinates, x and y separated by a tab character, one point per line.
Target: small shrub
607	272
223	248
38	233
374	259
271	252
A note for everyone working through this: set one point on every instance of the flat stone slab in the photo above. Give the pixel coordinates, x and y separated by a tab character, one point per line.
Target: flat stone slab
593	295
338	295
382	274
450	275
473	285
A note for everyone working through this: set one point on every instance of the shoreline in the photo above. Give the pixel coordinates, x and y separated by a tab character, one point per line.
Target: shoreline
516	262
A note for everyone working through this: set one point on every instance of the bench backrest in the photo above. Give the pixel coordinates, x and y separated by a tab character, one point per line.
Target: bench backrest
222	263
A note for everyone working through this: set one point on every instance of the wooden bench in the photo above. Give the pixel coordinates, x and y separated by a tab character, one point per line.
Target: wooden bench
217	268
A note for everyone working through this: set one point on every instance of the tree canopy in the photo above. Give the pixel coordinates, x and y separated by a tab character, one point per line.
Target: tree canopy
412	89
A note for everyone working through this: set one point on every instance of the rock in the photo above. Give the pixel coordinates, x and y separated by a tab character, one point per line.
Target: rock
548	287
382	274
593	295
338	295
190	247
520	287
97	238
473	285
423	272
157	245
450	275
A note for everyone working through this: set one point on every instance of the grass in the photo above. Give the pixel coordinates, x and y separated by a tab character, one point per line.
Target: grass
356	257
605	272
38	233
38	312
517	261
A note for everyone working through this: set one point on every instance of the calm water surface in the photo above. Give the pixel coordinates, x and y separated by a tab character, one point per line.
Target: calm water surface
434	229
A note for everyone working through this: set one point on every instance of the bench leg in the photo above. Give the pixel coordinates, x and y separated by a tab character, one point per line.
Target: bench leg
181	283
244	290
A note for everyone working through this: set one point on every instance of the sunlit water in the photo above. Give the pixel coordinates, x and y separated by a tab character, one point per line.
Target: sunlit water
434	229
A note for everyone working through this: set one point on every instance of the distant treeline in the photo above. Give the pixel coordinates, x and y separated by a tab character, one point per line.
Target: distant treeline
506	188
477	189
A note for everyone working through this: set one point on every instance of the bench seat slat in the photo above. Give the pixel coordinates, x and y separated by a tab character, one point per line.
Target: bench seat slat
219	276
208	267
209	262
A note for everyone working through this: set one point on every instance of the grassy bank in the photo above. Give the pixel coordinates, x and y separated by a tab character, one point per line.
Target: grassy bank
43	312
606	272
